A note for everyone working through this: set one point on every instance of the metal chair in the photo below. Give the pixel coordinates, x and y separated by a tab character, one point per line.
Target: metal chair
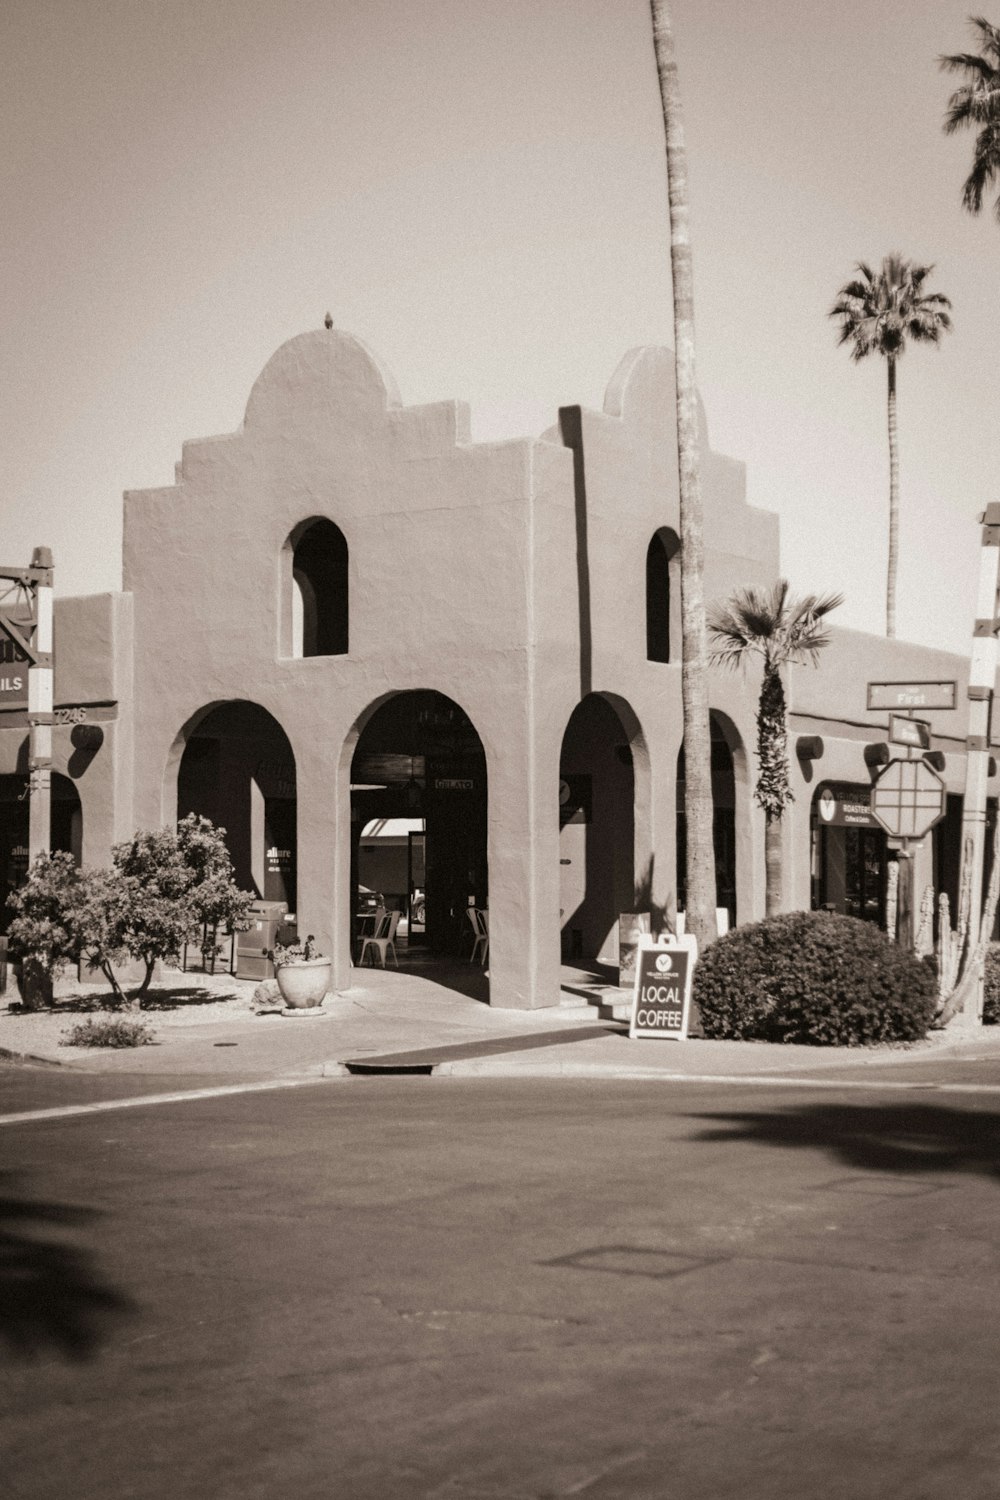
481	934
369	926
384	939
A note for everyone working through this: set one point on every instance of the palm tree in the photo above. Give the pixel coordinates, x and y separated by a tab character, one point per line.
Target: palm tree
698	811
878	312
780	630
977	103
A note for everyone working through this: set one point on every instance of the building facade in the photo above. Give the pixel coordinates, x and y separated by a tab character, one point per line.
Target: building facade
347	611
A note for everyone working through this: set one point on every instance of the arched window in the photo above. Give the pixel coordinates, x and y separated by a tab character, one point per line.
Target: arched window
662	595
317	609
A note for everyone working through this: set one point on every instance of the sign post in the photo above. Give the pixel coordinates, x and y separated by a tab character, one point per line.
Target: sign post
661	1000
908	799
982	676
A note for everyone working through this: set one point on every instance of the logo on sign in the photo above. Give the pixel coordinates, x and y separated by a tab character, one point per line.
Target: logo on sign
664	963
827	805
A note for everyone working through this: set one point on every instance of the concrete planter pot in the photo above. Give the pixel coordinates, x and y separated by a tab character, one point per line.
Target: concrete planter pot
304	982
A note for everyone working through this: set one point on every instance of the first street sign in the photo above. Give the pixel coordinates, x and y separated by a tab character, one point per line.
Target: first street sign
899	696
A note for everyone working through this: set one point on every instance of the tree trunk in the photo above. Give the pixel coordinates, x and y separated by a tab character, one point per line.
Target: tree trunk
121	999
773	792
698	809
890	584
143	989
772	866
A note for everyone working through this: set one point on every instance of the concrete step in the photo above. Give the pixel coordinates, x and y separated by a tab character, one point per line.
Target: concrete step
609	1004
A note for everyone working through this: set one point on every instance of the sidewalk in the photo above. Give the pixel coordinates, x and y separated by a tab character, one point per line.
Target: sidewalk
412	1022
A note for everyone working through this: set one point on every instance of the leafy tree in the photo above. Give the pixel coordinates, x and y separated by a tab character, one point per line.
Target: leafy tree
170	885
698	810
976	103
768	624
165	888
42	932
879	311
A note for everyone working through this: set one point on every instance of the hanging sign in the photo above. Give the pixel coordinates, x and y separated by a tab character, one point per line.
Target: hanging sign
839	804
13	674
661	1000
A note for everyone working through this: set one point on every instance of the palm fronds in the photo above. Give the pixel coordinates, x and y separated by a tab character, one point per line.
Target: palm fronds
879	310
767	623
976	103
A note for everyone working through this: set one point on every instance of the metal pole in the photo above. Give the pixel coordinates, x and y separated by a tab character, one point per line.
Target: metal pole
904	898
982	677
40	701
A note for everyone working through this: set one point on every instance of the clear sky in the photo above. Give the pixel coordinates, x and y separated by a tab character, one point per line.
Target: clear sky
476	188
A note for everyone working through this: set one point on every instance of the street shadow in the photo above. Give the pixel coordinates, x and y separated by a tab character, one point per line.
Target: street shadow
52	1294
897	1138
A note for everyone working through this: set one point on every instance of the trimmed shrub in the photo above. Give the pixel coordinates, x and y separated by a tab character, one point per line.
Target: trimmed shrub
991	986
816	978
109	1031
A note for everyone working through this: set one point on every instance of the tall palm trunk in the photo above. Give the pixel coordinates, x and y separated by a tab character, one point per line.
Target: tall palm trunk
698	810
890	584
772	785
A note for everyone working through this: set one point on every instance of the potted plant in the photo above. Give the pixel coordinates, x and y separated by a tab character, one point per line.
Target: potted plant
303	974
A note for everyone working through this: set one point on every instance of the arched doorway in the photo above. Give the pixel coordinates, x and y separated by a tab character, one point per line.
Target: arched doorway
419	820
237	768
725	751
596	831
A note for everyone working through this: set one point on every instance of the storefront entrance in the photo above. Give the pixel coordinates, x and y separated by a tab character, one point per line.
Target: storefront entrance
419	767
66	832
850	857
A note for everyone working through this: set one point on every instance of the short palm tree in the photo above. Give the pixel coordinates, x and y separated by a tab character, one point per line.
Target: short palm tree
977	103
878	312
778	629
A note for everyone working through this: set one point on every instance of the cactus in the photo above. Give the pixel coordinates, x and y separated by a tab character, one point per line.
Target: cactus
891	898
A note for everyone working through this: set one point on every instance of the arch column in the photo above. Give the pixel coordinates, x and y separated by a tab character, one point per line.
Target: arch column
523	849
323	840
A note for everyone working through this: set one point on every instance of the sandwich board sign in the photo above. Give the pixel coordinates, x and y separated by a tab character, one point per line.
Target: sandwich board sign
661	1000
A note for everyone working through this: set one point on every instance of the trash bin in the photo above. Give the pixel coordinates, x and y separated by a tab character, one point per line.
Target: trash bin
253	947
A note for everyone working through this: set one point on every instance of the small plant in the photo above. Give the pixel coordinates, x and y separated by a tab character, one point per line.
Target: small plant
295	953
109	1031
814	978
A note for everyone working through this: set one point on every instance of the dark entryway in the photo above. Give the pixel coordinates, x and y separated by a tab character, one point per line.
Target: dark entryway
419	758
238	770
66	831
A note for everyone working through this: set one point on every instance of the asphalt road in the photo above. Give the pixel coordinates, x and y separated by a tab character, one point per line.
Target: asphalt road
470	1289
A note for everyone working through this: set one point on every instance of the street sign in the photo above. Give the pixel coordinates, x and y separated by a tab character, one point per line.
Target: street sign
908	799
913	732
661	1001
904	695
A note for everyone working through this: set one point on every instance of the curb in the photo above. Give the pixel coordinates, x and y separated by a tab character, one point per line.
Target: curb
602	1072
30	1057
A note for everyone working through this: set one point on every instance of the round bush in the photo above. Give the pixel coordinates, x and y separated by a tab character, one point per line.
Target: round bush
813	977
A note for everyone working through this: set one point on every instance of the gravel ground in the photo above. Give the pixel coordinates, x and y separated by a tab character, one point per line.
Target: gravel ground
176	999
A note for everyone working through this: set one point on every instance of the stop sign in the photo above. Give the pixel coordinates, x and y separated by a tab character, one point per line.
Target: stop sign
908	799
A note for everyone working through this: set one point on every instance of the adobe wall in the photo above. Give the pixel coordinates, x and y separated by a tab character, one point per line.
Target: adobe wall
441	578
